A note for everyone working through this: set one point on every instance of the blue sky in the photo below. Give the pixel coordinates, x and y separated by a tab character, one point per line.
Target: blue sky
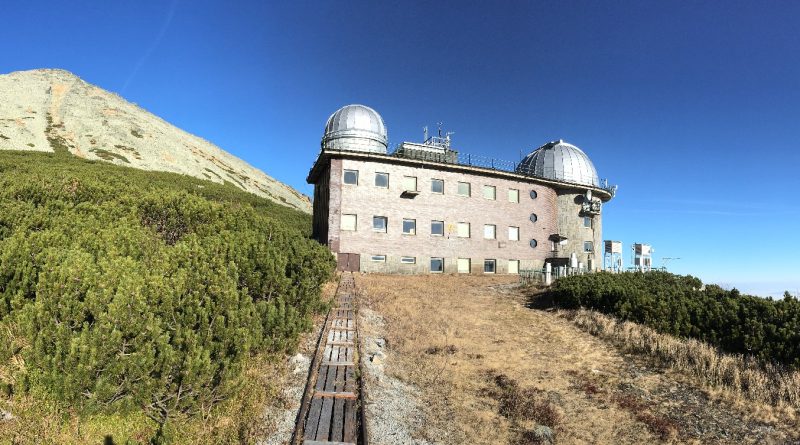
692	108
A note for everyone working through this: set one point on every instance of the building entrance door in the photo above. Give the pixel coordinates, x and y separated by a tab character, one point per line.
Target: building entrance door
348	262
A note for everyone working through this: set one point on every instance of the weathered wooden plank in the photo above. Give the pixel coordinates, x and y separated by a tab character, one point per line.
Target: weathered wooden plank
324	428
337	363
336	394
322	376
337	430
310	431
317	442
338	384
340	343
350	432
330	379
349	380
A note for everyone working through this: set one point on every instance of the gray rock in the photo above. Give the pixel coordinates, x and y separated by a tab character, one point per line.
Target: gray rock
543	434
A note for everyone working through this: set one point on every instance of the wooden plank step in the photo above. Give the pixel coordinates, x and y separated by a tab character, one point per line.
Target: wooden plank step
337	363
322	442
336	394
342	328
341	343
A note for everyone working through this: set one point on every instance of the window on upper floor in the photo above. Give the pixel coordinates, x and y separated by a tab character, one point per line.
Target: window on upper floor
379	223
410	226
437	186
490	192
382	180
437	228
349	222
513	233
587	222
410	183
464	189
351	177
588	246
489	231
463	230
513	195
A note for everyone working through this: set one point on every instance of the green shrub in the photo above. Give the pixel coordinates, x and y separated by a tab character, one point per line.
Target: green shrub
141	291
680	305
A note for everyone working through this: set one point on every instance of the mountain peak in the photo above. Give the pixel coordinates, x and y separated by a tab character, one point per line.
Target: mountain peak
52	109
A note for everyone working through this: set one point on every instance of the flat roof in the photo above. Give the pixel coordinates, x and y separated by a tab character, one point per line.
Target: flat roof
602	193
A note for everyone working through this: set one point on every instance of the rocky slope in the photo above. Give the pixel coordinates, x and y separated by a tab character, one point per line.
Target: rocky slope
54	110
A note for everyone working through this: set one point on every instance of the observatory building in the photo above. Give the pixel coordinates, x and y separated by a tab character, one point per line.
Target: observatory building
427	208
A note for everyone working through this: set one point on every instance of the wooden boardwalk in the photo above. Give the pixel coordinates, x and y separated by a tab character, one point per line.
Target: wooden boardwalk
331	409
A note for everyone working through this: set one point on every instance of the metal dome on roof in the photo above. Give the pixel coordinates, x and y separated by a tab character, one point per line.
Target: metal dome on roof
355	128
560	161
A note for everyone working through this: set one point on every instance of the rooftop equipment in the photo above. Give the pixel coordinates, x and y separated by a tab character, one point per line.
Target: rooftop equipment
642	257
612	256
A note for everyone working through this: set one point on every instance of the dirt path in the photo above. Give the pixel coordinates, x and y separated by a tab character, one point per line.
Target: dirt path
472	354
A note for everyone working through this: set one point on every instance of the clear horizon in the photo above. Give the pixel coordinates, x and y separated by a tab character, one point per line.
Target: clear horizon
691	109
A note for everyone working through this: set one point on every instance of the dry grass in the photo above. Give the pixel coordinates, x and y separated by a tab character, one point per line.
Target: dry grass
477	333
490	370
742	378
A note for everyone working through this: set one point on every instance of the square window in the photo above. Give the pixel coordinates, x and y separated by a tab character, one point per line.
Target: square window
513	266
379	258
408	260
513	233
437	265
463	230
464	189
588	246
410	226
410	183
513	195
351	177
382	180
437	186
587	222
437	228
463	265
489	266
379	223
489	231
349	222
489	192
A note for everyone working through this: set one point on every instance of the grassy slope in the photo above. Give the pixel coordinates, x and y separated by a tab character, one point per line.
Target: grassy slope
31	166
40	179
478	356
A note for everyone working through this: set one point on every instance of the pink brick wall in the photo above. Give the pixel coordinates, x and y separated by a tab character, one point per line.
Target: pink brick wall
366	200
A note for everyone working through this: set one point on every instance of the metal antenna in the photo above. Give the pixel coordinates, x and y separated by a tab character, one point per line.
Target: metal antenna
665	260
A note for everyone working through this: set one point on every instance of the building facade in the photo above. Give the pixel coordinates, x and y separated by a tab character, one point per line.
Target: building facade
428	209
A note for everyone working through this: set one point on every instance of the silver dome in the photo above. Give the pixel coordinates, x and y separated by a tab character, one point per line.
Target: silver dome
355	128
560	161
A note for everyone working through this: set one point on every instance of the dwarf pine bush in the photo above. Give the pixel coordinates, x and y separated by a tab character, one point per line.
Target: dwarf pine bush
681	306
133	290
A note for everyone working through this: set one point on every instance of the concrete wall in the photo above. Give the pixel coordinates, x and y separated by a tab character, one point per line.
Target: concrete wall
366	200
570	224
